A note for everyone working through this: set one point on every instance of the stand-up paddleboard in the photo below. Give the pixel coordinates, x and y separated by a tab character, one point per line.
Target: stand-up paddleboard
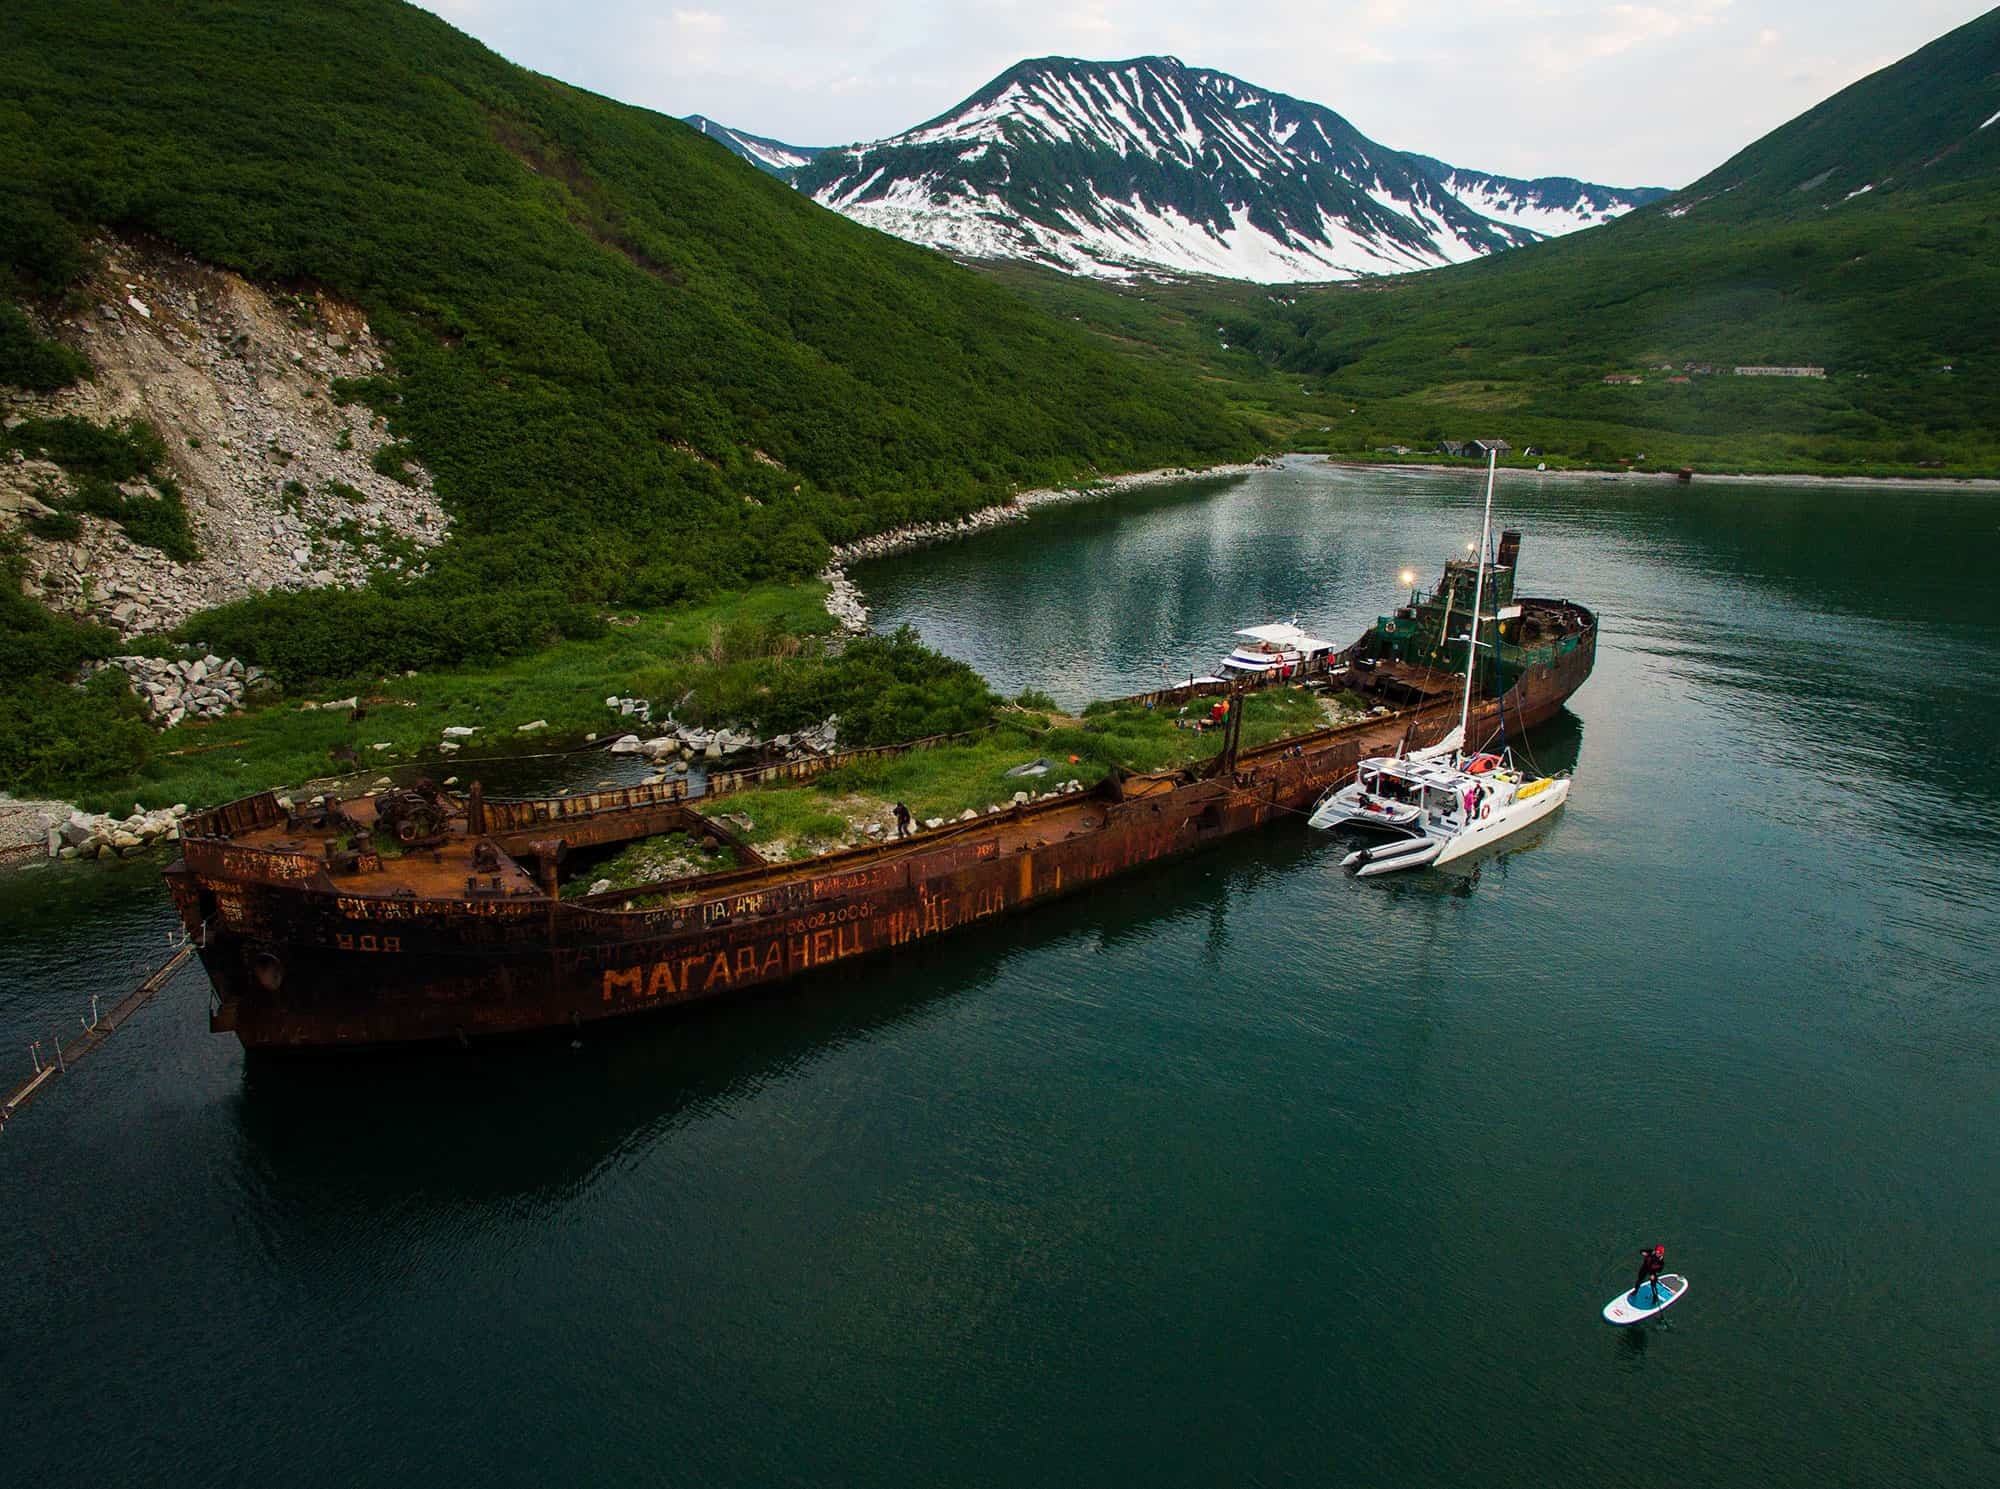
1651	1298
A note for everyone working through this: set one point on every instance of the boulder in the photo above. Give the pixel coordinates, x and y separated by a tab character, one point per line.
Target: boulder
627	744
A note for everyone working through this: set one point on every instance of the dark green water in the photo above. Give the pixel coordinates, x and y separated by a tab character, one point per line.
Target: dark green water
1239	1170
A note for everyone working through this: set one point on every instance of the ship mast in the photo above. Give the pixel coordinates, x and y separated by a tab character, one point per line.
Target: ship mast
1478	595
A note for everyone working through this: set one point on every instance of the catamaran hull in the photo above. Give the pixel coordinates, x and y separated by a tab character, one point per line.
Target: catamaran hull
1517	816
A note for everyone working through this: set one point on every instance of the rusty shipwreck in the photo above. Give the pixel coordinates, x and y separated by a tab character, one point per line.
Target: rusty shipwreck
316	934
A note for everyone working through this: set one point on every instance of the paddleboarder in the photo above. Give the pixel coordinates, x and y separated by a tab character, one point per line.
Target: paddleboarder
1652	1262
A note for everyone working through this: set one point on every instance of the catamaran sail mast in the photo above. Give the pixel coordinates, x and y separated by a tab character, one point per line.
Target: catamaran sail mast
1478	596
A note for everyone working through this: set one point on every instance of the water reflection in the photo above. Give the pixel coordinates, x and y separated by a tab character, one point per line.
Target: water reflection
1842	644
326	1137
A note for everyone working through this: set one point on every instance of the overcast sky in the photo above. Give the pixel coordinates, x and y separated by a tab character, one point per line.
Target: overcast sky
1627	94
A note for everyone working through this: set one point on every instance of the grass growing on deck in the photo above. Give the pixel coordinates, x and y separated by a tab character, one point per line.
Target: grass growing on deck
672	855
946	780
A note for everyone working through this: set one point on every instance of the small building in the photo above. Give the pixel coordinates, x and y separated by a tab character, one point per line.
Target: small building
1781	372
1679	379
1623	377
1698	369
1488	447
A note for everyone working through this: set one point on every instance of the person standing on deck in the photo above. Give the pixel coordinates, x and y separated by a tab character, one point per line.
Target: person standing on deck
902	820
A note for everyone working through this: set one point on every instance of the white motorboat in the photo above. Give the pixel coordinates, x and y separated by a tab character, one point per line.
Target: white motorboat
1282	647
1441	803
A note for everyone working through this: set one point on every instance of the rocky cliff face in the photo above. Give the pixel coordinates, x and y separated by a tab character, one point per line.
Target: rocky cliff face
280	480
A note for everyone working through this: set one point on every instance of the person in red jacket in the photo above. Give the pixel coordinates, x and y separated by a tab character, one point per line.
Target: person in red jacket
1651	1264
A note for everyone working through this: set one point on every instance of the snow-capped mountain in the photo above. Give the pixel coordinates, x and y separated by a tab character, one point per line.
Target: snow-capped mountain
774	156
1111	168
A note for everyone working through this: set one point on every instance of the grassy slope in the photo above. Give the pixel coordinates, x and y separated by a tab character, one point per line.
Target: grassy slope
642	372
599	317
202	762
1884	289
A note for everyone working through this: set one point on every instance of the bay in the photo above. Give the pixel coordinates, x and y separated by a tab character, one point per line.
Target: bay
1235	1169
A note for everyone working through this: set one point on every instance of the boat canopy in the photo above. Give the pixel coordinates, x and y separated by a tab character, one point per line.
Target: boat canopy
1288	635
1415	772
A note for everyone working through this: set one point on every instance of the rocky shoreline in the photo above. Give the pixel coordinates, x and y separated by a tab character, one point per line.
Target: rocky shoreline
1666	474
843	599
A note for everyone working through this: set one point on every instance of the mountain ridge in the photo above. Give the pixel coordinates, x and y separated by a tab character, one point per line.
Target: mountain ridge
1857	241
1148	164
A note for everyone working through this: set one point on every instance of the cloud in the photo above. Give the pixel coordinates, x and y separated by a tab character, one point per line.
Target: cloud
1620	29
1635	92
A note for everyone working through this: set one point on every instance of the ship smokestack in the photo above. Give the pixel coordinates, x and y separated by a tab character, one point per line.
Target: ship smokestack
1510	548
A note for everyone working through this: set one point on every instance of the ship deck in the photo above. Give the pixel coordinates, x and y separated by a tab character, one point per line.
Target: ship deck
448	869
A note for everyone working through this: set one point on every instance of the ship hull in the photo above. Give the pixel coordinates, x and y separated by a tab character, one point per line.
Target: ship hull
299	961
297	968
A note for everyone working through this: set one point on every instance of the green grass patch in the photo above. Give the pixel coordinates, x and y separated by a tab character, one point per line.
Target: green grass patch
672	855
945	780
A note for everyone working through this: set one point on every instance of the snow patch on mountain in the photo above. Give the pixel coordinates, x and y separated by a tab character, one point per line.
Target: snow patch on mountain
771	155
1123	168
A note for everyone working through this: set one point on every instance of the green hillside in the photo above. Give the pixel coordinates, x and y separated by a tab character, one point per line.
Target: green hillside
639	369
1906	129
1767	261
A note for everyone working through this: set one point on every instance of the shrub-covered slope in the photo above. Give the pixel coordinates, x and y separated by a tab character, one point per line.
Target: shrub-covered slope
1776	258
637	367
1927	121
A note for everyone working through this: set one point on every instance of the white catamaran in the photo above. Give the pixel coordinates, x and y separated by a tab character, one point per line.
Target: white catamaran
1443	802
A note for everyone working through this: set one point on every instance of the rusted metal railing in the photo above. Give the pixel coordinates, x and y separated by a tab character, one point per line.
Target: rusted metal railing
96	1029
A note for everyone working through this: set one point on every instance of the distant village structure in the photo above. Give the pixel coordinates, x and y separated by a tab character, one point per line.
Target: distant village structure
1709	369
1475	449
